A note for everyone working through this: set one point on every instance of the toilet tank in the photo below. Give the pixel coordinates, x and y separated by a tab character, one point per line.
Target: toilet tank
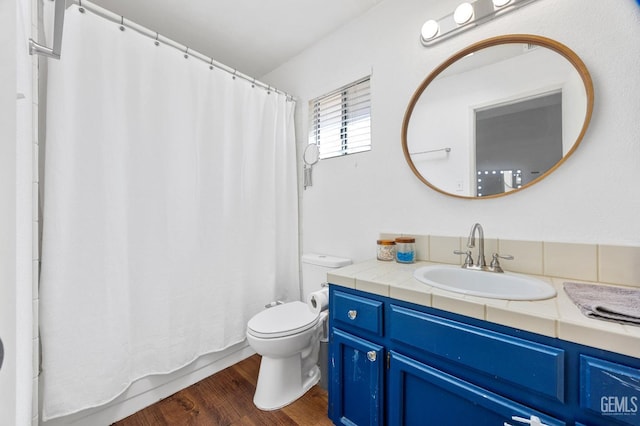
315	268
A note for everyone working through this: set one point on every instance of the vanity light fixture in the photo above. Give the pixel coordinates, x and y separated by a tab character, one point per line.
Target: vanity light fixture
465	16
500	3
430	29
463	13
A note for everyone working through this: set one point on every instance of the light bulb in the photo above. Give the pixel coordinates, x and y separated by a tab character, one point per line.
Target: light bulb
430	29
463	13
501	3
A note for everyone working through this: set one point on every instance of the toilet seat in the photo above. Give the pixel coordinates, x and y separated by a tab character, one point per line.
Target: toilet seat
282	320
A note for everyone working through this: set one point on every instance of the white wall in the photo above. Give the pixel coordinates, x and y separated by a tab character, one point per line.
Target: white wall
7	210
15	215
594	197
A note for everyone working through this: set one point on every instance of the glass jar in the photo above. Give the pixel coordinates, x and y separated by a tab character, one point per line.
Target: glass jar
405	249
386	250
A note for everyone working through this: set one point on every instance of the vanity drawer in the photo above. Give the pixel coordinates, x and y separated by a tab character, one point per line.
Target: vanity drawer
610	389
356	312
517	362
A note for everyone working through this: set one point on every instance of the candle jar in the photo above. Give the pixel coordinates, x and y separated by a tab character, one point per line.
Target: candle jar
405	249
386	250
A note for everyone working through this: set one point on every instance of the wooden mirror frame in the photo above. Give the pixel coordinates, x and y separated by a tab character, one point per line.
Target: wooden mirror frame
557	47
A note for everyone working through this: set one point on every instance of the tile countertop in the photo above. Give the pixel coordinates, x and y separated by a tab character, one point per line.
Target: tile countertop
556	317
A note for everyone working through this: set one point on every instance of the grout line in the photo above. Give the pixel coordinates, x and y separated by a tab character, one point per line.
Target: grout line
542	248
598	263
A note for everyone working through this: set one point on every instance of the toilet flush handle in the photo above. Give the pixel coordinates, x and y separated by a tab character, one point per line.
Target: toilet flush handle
352	314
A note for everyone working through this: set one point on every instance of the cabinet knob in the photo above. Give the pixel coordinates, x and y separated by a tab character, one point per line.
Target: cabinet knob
352	314
371	356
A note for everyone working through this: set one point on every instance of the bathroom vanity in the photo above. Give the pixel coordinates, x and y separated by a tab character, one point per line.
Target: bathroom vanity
403	353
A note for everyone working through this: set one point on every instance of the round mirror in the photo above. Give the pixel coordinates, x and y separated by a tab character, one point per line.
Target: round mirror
311	154
498	116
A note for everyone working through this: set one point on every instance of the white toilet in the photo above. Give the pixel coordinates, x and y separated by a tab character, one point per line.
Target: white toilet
288	338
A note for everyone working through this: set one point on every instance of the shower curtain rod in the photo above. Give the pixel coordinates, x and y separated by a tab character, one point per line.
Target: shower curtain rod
58	23
158	38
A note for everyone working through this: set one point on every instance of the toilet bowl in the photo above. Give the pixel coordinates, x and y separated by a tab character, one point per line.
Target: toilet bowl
287	336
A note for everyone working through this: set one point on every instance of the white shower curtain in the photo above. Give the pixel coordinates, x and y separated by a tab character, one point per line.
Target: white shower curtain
170	212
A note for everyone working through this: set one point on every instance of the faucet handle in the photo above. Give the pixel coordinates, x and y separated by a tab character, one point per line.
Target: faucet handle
468	261
495	263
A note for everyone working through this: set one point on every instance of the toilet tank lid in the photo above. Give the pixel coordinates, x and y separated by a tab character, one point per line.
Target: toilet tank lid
325	260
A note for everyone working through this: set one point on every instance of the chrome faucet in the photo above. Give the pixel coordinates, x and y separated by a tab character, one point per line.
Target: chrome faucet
495	263
471	243
481	264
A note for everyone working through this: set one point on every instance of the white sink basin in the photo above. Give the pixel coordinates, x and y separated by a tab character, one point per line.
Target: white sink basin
506	285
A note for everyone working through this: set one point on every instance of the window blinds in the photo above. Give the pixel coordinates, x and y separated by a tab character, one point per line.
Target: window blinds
340	122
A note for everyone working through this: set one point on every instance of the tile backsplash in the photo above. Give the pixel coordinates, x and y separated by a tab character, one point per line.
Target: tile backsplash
583	262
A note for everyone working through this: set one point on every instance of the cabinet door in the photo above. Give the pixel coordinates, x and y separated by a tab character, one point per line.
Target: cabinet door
356	369
610	390
529	367
422	395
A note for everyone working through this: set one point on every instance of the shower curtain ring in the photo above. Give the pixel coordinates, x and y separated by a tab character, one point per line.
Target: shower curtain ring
234	73
186	53
80	8
157	43
253	83
211	64
121	23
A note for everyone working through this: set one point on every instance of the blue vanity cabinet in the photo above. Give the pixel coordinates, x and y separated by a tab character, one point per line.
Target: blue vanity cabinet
511	364
422	395
357	385
360	314
610	390
356	360
397	363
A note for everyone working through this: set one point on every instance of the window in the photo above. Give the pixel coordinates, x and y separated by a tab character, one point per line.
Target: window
340	122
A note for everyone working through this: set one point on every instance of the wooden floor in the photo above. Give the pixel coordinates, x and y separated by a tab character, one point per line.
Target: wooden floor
226	398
